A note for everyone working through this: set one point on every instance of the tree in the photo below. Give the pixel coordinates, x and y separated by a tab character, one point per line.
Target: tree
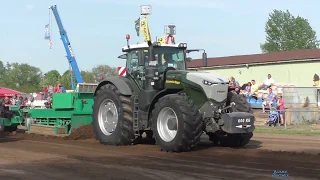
51	78
103	71
284	32
65	79
88	77
22	77
2	69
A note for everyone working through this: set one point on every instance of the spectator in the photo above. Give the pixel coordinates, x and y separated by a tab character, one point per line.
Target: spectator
20	101
62	89
315	80
234	84
56	89
247	89
50	89
254	87
7	102
243	87
48	104
280	105
25	101
267	83
44	92
269	101
1	105
31	97
14	100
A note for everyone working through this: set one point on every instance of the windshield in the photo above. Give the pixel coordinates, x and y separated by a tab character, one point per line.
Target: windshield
164	57
169	57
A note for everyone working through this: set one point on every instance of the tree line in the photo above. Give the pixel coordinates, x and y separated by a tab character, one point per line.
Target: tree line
27	78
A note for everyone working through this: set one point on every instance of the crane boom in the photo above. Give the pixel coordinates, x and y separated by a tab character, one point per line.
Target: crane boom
70	55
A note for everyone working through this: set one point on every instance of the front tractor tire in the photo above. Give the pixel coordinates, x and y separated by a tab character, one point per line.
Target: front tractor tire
176	123
112	117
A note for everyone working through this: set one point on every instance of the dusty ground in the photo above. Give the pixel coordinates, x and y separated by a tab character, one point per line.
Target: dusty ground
27	156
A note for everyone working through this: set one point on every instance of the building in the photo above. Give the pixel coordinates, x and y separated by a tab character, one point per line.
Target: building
289	67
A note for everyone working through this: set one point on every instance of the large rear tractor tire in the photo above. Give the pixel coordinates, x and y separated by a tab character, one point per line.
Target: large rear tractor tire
112	117
241	103
176	123
234	140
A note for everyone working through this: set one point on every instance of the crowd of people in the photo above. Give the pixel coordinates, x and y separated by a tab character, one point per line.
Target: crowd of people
23	100
47	91
250	90
6	102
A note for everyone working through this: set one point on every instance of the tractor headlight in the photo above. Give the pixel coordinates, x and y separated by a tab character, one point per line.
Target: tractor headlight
208	83
183	45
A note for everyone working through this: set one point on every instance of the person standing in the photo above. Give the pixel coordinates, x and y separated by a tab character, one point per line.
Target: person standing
316	80
281	108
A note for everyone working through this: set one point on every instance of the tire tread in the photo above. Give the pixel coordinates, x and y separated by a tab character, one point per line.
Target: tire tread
127	125
192	122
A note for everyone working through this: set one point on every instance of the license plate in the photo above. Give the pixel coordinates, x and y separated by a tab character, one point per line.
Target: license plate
243	120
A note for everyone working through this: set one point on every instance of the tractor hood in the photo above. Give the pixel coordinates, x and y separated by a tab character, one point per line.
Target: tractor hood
215	87
210	79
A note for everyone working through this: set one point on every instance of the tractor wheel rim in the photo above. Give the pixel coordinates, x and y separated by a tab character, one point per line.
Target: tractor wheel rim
163	118
108	117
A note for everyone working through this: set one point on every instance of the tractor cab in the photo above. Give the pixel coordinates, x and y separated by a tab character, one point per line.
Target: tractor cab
148	63
142	56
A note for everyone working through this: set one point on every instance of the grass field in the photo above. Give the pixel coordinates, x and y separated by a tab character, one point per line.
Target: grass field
297	129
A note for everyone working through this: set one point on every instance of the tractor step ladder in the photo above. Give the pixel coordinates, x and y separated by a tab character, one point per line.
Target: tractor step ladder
136	122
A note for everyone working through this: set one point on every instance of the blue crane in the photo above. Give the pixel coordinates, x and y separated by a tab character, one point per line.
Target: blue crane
70	55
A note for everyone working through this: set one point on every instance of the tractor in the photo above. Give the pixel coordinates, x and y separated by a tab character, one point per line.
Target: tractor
160	98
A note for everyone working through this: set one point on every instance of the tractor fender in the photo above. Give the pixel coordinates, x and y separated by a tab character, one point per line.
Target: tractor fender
157	97
117	81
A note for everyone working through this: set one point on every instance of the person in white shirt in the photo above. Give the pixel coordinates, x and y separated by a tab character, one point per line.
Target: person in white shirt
267	83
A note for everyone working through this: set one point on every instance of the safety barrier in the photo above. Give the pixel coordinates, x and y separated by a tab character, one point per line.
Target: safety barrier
86	87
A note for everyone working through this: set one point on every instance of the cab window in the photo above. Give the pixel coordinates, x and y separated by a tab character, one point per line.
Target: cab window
170	57
132	61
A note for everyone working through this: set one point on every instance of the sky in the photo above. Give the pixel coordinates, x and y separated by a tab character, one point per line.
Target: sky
97	28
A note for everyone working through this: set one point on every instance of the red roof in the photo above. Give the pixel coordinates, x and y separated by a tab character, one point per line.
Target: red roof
310	54
8	92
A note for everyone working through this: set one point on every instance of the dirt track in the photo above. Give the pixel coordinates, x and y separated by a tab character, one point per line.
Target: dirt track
36	157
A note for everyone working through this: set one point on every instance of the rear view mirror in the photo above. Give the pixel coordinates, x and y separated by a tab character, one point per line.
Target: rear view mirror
204	59
140	58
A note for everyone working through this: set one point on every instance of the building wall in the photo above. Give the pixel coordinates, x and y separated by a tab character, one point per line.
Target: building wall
298	73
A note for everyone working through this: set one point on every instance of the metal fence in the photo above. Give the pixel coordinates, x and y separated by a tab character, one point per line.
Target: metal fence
301	95
302	104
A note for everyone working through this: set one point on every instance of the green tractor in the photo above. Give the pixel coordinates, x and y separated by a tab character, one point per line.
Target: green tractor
159	97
